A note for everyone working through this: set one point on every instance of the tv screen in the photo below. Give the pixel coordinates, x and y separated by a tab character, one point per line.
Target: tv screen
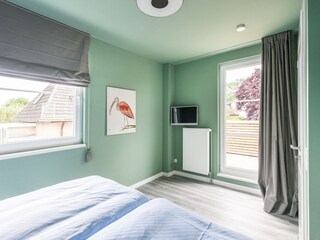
184	115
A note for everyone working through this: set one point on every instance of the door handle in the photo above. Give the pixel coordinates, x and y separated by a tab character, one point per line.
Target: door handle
297	148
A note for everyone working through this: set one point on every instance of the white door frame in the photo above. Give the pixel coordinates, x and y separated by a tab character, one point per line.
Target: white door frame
303	128
231	172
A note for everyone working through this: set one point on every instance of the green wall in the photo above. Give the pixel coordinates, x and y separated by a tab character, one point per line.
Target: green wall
196	83
125	158
314	116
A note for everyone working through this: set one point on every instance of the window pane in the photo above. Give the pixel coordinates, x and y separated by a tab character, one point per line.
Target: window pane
239	117
242	117
32	111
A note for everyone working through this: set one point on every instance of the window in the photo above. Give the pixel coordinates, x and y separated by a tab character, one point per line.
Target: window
239	117
36	115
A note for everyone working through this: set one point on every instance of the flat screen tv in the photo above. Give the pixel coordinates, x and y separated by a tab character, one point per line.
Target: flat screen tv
184	115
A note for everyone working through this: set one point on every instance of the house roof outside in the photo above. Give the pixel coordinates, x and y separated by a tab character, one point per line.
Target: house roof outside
54	104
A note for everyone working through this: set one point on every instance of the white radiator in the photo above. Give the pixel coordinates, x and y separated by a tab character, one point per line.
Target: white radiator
196	150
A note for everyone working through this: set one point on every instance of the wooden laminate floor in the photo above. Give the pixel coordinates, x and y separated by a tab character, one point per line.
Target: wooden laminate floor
232	209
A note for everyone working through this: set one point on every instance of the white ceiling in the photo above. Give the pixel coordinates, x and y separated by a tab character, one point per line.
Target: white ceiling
200	27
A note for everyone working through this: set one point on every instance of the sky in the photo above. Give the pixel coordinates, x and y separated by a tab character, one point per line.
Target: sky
22	84
232	75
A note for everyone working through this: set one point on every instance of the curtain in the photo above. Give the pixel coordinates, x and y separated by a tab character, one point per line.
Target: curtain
37	48
278	126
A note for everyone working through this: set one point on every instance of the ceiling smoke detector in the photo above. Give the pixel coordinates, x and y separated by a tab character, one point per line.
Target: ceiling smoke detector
159	8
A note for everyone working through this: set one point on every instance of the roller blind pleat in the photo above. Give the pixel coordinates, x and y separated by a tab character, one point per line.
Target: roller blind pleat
38	48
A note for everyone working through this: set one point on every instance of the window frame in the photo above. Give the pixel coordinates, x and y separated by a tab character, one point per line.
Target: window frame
224	170
42	144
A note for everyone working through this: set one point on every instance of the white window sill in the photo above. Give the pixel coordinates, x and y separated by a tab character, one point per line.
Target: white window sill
40	151
237	178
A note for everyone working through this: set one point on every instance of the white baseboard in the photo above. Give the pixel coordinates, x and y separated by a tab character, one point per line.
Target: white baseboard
192	176
219	183
199	178
145	181
165	174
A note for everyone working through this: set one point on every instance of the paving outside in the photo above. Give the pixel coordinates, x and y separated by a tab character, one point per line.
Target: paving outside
242	161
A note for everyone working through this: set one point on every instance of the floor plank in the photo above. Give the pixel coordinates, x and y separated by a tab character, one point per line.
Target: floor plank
232	209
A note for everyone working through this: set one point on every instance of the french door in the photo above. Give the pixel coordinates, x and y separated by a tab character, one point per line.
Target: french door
239	117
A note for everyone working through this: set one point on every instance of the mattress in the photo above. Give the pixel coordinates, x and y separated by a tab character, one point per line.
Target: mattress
71	210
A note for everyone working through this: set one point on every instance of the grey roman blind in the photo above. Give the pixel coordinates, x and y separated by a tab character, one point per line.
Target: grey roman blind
37	48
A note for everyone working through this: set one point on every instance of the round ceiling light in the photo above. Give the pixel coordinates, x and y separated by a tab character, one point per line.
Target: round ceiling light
159	8
241	27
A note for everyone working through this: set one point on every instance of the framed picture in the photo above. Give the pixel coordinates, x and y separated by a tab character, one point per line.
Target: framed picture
120	111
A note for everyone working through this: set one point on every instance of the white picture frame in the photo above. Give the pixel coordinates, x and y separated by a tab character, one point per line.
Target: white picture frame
120	111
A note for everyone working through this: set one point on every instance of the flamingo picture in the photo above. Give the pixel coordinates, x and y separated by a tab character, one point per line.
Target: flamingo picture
120	111
125	110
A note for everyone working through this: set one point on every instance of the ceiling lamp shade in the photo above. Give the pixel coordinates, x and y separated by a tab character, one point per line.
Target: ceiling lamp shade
159	8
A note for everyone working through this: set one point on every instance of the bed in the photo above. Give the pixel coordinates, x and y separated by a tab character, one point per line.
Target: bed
96	208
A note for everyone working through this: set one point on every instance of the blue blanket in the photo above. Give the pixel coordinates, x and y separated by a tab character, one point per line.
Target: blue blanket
70	210
161	219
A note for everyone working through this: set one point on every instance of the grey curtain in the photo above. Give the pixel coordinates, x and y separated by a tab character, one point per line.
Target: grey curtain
37	48
278	126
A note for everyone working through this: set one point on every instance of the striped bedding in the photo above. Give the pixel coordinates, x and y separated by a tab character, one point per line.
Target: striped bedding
161	219
96	208
70	210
